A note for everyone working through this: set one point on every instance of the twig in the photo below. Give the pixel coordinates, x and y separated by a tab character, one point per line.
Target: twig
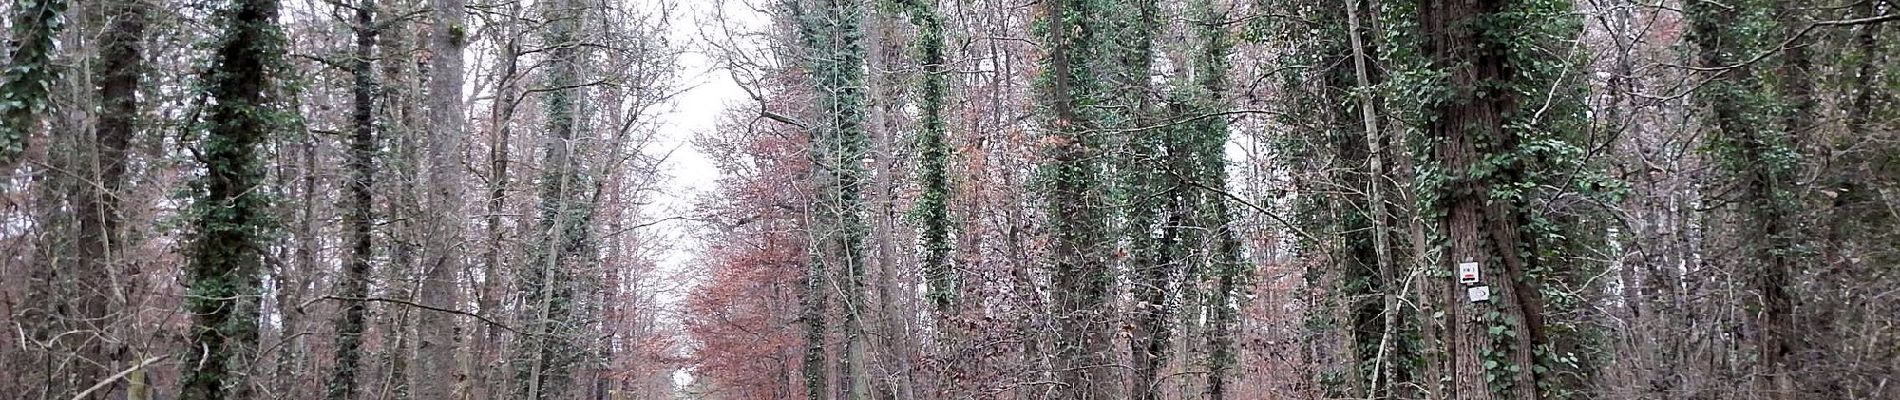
1797	36
484	319
1256	207
115	377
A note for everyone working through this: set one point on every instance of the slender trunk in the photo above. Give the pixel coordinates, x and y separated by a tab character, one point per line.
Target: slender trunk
357	216
1384	368
893	337
933	205
550	302
489	297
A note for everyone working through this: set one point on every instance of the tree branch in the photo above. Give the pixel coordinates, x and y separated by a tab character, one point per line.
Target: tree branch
1797	36
484	319
115	377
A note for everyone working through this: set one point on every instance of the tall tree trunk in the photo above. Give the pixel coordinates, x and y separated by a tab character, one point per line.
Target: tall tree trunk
1752	152
1777	340
1153	174
895	346
1489	342
438	375
813	35
1076	206
932	210
550	302
95	289
833	39
357	223
489	297
1385	368
402	208
1226	272
226	253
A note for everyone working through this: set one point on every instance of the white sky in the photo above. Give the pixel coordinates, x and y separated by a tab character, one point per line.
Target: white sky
708	92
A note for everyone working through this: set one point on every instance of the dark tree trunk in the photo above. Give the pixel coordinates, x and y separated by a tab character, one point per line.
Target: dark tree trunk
1077	208
1745	144
354	284
226	253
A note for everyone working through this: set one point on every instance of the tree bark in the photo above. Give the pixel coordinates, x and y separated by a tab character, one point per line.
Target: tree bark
226	255
1076	208
438	374
357	221
1489	343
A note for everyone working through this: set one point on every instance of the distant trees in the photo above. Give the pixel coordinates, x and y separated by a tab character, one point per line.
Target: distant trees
918	199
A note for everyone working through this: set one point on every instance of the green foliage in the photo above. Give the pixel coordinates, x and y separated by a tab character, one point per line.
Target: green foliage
932	209
552	292
229	213
28	75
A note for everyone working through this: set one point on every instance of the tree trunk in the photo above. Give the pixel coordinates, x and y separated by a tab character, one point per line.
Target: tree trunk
1749	148
1490	342
25	84
1076	207
97	289
550	300
1385	369
438	374
354	284
489	297
226	255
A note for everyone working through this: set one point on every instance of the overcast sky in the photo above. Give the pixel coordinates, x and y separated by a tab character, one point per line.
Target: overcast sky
709	91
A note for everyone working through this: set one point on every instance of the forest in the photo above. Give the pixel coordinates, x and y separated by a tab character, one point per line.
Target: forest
950	199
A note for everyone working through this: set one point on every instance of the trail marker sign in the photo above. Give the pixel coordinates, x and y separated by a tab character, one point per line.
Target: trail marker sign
1478	293
1468	272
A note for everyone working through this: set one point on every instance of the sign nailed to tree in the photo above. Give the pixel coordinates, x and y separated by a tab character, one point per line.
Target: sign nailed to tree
1468	272
1478	293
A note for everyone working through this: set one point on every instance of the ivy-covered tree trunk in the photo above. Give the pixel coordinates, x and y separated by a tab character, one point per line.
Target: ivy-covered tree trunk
28	75
357	223
933	151
835	58
549	355
1488	338
228	213
1223	269
932	213
1761	161
1157	201
1076	204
